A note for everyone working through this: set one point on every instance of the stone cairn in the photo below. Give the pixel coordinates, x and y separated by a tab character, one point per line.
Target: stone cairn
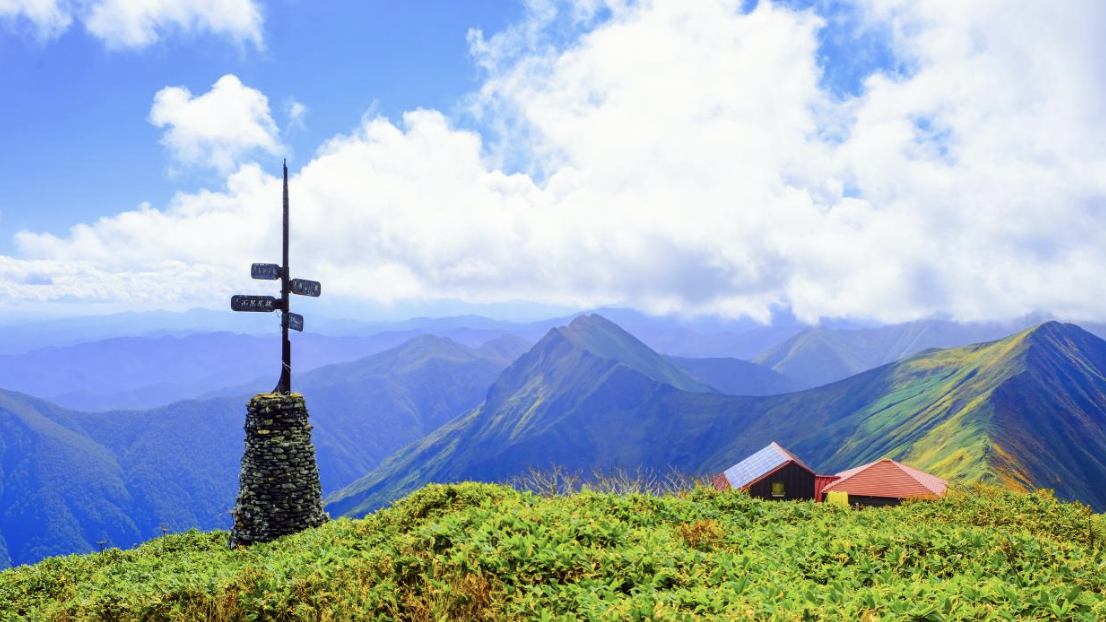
278	489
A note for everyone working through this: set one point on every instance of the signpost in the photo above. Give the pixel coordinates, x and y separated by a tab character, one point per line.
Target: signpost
303	287
295	322
261	304
265	271
264	304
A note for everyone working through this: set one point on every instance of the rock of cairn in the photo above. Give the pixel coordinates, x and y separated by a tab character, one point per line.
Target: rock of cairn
278	486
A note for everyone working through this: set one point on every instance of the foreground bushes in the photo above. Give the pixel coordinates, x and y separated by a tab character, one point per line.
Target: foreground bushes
478	551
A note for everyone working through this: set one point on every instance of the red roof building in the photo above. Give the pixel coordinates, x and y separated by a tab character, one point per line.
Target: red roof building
886	482
820	483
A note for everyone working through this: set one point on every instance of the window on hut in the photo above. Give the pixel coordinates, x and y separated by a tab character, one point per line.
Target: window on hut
777	489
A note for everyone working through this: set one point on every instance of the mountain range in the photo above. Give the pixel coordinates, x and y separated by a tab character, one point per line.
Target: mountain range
818	356
148	360
69	479
1027	411
149	372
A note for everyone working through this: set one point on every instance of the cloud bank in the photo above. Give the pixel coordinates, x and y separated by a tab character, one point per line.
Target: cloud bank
679	157
216	129
139	23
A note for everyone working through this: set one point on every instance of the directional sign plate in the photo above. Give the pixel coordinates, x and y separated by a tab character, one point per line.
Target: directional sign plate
259	304
303	287
295	321
265	271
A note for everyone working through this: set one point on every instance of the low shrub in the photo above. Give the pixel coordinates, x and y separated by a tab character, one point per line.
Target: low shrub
489	552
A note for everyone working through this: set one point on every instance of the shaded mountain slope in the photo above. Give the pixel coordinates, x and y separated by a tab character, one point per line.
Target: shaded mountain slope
71	479
61	491
735	376
541	411
365	410
1025	411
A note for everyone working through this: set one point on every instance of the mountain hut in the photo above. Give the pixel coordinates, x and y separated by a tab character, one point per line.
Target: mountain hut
771	473
886	482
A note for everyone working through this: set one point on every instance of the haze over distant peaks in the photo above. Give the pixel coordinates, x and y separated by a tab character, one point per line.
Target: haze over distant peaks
819	355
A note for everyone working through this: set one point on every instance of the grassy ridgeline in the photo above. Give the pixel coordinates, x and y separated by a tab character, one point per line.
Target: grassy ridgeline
481	551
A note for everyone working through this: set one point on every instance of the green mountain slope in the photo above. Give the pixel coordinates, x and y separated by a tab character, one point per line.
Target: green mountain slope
819	356
1026	411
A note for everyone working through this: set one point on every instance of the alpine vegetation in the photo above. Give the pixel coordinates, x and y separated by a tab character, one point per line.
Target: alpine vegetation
489	552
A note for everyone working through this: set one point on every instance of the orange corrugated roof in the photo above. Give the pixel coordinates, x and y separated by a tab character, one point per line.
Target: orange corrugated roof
887	478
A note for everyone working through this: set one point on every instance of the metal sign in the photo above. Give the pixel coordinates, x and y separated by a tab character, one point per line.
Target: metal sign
295	321
303	287
288	285
265	271
259	304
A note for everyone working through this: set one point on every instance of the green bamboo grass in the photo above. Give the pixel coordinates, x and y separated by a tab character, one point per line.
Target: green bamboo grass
488	552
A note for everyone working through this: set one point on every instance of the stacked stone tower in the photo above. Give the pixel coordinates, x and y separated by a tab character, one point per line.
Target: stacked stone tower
278	490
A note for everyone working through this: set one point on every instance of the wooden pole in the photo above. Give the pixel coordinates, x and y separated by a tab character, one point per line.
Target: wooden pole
285	383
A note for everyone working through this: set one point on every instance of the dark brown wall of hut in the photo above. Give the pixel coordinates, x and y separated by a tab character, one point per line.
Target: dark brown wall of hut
798	484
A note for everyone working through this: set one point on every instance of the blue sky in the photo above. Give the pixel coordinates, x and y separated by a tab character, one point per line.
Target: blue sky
77	144
876	160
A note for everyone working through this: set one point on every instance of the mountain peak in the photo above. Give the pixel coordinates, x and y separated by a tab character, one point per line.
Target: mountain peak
430	339
1054	328
1057	336
592	322
423	346
604	339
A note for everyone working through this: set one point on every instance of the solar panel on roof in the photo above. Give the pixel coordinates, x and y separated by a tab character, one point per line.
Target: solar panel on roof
754	466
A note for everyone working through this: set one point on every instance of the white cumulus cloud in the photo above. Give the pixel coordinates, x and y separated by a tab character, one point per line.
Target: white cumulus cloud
677	156
140	23
49	18
297	113
218	128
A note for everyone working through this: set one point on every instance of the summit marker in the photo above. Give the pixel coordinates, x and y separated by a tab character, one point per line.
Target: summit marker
265	304
278	485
